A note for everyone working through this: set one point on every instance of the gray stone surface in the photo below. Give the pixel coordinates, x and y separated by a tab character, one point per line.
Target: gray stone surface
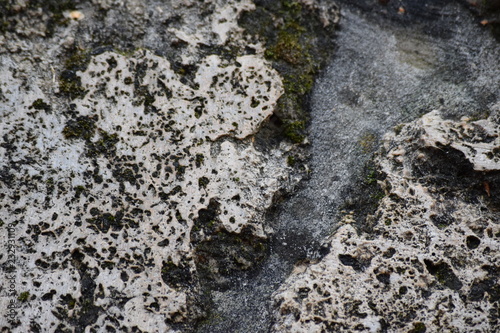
144	188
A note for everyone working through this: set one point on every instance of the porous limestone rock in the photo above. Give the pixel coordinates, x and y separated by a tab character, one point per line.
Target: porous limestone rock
430	261
119	175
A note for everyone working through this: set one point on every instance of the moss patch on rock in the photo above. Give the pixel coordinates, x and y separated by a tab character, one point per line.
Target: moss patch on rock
298	43
69	82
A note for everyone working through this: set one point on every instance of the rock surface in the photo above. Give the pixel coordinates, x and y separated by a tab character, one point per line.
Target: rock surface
128	177
431	260
147	149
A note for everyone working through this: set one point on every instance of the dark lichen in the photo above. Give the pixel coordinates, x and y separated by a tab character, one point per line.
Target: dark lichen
103	222
11	13
82	127
199	160
489	11
418	327
176	276
6	13
358	264
220	254
39	104
69	82
106	145
472	242
203	182
364	196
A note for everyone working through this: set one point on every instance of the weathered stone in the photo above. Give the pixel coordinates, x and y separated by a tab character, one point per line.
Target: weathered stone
109	159
431	261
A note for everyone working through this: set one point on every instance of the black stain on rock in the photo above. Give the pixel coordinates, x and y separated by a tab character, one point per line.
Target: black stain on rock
176	276
87	312
220	254
487	286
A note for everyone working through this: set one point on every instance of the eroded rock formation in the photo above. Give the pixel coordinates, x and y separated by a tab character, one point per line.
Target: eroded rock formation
430	261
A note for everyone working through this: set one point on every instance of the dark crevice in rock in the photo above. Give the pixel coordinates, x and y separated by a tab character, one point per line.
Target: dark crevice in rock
444	274
449	172
355	263
221	255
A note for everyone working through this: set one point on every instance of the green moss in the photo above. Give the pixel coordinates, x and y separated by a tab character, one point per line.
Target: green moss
69	82
371	175
80	128
39	104
24	296
295	131
71	87
288	47
77	60
297	44
199	160
418	327
368	142
290	160
298	84
377	196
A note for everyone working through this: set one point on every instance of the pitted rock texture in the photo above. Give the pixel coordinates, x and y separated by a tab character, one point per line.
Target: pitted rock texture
431	261
125	177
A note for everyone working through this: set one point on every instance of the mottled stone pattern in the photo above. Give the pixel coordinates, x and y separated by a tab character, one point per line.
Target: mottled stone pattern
431	261
122	179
